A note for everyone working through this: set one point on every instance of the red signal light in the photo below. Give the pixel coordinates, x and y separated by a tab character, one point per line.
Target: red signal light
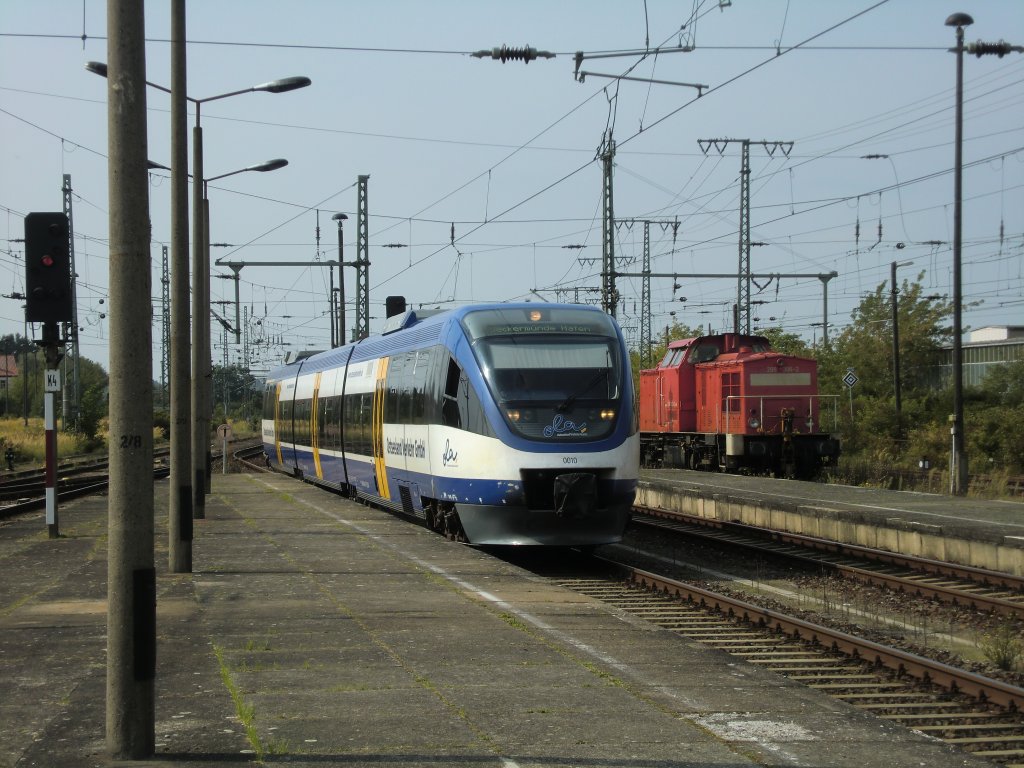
47	260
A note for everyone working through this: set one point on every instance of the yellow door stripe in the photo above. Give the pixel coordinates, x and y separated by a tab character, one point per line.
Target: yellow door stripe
314	420
379	393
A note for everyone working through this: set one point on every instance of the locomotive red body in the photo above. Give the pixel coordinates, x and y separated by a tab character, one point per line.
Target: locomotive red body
730	402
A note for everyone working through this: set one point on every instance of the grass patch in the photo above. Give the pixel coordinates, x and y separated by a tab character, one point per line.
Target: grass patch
1003	647
252	644
246	712
29	442
514	621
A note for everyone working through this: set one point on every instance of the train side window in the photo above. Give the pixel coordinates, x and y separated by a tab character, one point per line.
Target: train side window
393	392
450	415
418	391
268	401
366	423
405	394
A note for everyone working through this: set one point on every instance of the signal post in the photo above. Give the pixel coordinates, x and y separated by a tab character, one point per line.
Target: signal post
49	300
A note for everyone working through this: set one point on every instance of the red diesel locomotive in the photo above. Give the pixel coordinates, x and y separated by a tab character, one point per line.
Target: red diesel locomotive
729	402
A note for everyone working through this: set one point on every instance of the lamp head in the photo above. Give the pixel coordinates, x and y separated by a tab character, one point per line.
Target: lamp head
340	218
97	67
959	20
284	84
269	165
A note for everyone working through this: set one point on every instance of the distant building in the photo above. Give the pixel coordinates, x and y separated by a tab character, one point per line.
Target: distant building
8	370
985	348
8	367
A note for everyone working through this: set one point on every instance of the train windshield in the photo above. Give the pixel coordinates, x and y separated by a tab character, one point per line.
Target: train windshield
556	373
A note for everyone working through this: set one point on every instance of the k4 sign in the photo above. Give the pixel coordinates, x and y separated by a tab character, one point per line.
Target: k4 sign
52	381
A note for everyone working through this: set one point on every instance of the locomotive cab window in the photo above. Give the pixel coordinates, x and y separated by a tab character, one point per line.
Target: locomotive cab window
704	353
555	373
672	357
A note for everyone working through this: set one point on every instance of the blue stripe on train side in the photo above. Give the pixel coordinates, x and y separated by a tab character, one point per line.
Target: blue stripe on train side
456	489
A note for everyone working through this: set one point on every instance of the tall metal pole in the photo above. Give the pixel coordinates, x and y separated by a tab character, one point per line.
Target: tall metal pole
609	293
743	283
341	218
131	576
331	308
645	299
207	352
76	387
362	329
165	324
200	275
959	475
741	317
179	510
896	353
824	306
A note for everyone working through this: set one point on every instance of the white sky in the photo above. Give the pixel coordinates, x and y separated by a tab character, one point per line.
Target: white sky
507	153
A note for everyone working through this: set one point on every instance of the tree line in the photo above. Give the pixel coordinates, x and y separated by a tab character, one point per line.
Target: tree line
237	394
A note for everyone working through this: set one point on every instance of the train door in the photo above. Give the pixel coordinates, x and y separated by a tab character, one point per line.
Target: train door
380	391
339	417
314	426
276	415
285	421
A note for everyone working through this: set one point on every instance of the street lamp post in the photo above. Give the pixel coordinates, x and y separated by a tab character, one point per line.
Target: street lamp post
197	452
201	382
959	474
269	165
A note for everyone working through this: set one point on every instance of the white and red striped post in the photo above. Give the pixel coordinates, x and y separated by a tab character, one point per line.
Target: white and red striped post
52	385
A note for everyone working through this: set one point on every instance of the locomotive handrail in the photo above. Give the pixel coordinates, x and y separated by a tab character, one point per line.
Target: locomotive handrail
760	410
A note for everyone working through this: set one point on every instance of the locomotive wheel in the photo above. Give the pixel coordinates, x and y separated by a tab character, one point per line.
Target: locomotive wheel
693	459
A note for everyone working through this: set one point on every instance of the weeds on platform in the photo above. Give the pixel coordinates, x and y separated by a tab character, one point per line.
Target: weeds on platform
246	712
1003	647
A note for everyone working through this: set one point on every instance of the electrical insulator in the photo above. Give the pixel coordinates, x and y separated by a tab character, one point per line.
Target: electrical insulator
525	54
1000	49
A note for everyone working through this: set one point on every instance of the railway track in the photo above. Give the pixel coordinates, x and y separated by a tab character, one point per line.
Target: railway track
977	588
975	713
26	491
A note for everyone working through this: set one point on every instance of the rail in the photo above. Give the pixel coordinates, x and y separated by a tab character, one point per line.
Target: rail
950	678
978	588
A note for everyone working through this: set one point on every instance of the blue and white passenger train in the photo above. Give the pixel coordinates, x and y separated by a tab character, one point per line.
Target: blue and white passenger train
497	423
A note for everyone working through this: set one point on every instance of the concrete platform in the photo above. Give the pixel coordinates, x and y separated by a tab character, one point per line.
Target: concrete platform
317	632
970	531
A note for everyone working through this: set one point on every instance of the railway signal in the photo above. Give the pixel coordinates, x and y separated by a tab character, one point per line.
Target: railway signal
47	268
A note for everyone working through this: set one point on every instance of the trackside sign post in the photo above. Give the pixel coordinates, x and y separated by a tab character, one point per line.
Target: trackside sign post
225	434
51	386
849	380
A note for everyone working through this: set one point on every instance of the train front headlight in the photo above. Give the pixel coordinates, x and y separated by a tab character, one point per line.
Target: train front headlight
753	421
513	414
607	414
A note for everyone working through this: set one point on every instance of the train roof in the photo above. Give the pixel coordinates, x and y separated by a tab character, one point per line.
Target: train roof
412	329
